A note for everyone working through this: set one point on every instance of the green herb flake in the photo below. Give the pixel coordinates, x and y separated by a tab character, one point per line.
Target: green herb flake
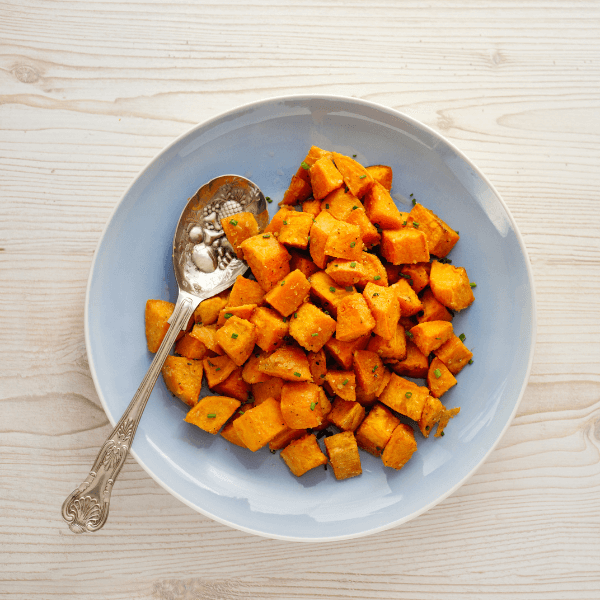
241	412
313	405
377	277
362	176
345	382
408	395
352	265
414	201
411	195
268	200
354	156
409	334
375	294
314	334
228	315
473	284
462	337
332	289
354	207
415	224
284	320
470	361
352	244
375	368
296	374
233	222
427	427
211	415
327	206
285	222
234	336
295	315
404	223
437	373
305	165
442	434
218	368
283	283
323	376
267	236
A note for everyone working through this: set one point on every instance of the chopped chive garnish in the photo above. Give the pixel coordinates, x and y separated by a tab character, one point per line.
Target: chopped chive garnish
332	289
266	236
285	222
314	334
354	156
375	294
268	200
305	165
282	283
414	201
411	195
375	368
234	336
217	369
354	207
345	382
362	176
295	315
211	415
352	265
233	222
415	224
228	315
472	284
352	244
296	374
377	277
241	412
327	206
427	428
404	223
462	337
409	334
442	434
408	395
437	373
312	406
308	238
284	320
470	361
210	364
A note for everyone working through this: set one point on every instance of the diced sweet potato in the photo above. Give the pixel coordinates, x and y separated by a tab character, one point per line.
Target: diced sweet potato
207	334
441	238
381	208
279	217
405	397
450	285
311	327
368	368
237	338
343	455
300	405
433	310
157	313
183	378
394	348
344	242
340	204
454	354
432	411
287	362
212	412
342	384
393	272
324	178
385	308
295	230
443	422
327	292
250	372
410	304
404	246
346	415
271	328
234	386
431	335
281	440
267	389
343	352
439	378
302	263
239	227
356	177
303	454
244	292
374	271
400	448
354	319
268	259
417	275
208	310
382	174
314	154
289	293
259	425
218	369
368	232
230	434
367	269
243	312
298	191
312	207
323	226
190	347
318	366
375	431
414	365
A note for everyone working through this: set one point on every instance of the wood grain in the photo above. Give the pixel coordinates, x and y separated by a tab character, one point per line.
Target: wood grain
91	91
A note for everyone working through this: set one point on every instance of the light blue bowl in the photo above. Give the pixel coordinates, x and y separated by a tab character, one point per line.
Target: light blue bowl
266	141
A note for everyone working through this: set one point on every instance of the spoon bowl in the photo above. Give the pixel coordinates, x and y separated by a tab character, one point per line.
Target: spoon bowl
205	264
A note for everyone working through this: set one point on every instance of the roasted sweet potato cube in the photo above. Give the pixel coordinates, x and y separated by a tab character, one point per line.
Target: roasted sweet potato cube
234	386
381	208
312	207
271	328
317	362
382	174
239	227
279	217
433	310
314	154
157	313
212	412
431	335
303	454
441	238
417	275
340	204
243	312
208	310
183	378
400	448
230	434
207	334
323	226
281	440
439	378
368	368
218	369
289	293
450	285
250	372
357	179
244	292
346	415
368	232
405	397
287	362
268	259
344	242
324	178
354	319
385	308
374	271
238	338
343	455
295	230
300	405
311	327
343	352
404	246
298	191
410	303
394	348
443	422
327	292
414	365
375	431
259	425
454	354
346	272
342	384
302	263
190	347
267	389
393	272
432	411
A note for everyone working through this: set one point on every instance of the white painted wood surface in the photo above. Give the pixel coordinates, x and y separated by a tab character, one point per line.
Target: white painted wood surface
91	90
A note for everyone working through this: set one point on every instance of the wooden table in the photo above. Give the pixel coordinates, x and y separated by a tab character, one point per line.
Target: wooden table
91	91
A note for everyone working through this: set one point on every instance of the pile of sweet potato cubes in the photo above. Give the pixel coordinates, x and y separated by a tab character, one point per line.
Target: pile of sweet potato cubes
351	296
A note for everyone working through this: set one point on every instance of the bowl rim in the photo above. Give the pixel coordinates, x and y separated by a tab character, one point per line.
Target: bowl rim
249	106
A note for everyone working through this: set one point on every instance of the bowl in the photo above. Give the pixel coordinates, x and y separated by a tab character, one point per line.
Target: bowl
266	141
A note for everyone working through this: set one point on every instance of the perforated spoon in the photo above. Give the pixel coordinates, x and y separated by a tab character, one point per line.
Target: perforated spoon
205	264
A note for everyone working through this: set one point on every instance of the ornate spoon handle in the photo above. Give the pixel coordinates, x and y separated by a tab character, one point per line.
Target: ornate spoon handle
86	508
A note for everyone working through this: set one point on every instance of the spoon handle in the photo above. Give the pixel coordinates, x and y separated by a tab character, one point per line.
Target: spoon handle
86	508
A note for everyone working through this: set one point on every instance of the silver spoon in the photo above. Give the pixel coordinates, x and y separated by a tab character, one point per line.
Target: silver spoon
205	264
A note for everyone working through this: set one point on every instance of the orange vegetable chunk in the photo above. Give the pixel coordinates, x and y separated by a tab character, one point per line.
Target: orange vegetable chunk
443	422
218	369
381	208
279	217
344	242
303	454
404	246
295	230
375	431
212	412
281	440
433	310
343	455
234	386
243	312
417	275
382	174
287	362
346	415
190	347
343	352
342	384
267	389
208	310
431	335
369	369
324	178
238	338
405	397
433	409
289	293
327	292
341	204
302	263
158	312
239	227
354	319
323	226
298	191
410	304
250	372
450	285
400	448
311	327
207	334
414	365
267	258
300	405
244	292
259	425
271	328
454	354
441	238
318	366
439	378
385	308
368	232
394	348
312	207
183	378
356	177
